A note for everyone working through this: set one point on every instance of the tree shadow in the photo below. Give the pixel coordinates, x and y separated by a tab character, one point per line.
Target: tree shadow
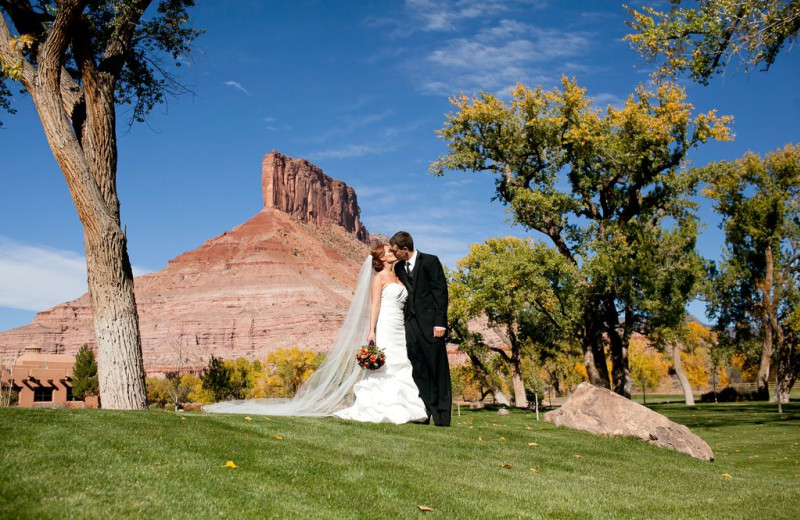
721	415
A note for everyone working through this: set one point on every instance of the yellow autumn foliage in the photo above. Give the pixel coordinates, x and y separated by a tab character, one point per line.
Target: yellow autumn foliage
284	371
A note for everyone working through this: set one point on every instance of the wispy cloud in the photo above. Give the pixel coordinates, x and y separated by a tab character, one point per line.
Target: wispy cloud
445	15
35	278
605	98
497	58
237	86
348	151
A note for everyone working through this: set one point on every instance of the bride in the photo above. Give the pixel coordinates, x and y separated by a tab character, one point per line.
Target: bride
339	387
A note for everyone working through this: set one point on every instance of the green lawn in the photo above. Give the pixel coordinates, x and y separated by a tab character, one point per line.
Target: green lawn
105	464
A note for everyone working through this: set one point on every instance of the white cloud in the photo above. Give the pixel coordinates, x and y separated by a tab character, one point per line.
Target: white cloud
35	278
605	98
439	15
237	86
348	151
498	57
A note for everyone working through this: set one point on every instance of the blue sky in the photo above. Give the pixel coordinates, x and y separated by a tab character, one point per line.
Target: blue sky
358	88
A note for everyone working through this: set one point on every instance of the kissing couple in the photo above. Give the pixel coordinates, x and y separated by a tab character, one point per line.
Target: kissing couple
400	303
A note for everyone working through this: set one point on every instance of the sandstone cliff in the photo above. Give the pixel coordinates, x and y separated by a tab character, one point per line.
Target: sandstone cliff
283	278
300	189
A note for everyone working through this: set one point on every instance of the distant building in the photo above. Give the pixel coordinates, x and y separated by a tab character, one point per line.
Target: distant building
44	380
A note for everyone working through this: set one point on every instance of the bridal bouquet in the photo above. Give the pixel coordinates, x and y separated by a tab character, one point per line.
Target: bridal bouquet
370	357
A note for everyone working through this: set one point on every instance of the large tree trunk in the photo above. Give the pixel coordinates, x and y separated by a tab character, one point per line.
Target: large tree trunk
86	154
788	367
677	366
594	357
120	367
520	398
620	368
767	348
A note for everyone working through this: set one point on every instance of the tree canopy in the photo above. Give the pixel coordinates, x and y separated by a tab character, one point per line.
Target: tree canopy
526	291
703	40
106	38
756	289
607	187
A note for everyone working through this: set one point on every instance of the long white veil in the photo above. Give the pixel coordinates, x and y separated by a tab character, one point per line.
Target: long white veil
330	386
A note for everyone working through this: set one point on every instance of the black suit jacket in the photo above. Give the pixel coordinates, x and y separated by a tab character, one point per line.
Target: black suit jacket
427	294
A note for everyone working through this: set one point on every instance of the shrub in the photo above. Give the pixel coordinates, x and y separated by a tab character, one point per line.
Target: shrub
730	395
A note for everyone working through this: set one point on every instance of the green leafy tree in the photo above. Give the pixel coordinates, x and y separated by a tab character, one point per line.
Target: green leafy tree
607	188
78	60
217	379
756	289
526	292
704	39
84	374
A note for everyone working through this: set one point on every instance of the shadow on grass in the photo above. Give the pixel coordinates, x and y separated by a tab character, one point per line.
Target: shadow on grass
720	415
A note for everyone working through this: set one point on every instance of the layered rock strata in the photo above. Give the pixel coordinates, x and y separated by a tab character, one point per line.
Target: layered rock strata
300	189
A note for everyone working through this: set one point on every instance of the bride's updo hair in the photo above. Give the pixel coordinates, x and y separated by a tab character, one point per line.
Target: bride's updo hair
377	252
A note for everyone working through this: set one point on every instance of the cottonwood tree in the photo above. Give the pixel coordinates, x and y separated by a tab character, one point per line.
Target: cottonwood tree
704	39
756	289
78	60
607	188
527	293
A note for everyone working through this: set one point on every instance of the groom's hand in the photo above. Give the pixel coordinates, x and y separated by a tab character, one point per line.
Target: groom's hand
438	332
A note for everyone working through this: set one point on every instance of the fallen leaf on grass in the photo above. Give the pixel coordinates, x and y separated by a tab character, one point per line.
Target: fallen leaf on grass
424	508
578	456
534	444
247	418
277	437
480	439
230	464
267	419
528	428
506	465
502	439
534	470
725	475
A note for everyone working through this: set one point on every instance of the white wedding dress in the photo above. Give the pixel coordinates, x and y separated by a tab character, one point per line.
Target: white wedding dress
389	393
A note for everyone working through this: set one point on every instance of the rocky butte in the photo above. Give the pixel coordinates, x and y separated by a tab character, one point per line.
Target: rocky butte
283	278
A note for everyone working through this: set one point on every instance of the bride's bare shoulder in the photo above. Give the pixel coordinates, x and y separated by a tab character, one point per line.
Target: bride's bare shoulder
380	279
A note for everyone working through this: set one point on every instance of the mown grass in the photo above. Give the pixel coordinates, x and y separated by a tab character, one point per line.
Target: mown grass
105	464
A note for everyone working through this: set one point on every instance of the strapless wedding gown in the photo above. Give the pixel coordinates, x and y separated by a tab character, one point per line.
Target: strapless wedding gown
388	394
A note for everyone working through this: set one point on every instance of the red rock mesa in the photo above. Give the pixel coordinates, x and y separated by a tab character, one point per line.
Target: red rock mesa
283	278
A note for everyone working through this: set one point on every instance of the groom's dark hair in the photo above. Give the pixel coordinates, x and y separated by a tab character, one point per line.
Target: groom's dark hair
402	240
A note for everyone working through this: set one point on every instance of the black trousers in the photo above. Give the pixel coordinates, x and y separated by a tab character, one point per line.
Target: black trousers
431	372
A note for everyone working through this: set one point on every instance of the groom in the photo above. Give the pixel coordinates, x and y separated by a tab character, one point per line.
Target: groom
426	323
